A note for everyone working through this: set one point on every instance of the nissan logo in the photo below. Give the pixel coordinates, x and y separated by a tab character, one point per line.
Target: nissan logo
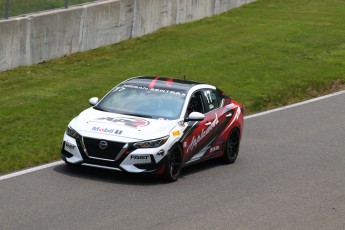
103	144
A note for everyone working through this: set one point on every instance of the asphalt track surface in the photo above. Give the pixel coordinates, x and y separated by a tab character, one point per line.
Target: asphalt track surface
290	174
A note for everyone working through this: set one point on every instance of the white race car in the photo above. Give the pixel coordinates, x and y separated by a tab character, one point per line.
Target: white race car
155	125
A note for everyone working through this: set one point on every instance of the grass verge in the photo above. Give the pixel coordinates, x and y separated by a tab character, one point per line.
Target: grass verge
266	54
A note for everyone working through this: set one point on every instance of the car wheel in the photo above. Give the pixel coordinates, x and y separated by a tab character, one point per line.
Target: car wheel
173	163
232	147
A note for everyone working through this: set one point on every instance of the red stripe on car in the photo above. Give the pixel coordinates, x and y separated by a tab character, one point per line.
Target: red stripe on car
169	81
153	82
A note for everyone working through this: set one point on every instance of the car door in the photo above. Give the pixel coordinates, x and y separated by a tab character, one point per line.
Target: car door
200	136
216	120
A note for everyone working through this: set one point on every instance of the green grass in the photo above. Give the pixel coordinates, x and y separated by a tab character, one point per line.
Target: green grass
266	54
19	7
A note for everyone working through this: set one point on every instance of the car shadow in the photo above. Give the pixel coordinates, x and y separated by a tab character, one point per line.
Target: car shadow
111	176
105	175
201	166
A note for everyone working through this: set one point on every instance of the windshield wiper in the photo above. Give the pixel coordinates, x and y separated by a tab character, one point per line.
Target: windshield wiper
130	114
100	109
137	115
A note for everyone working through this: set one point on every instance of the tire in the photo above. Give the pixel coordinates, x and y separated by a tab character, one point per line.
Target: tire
173	164
232	147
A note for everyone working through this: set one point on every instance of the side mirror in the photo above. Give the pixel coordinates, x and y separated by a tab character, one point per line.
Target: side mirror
93	101
195	116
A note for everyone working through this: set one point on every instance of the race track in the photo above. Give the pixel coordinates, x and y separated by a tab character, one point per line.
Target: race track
290	174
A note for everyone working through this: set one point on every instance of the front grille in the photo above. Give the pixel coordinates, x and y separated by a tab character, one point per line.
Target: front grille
95	151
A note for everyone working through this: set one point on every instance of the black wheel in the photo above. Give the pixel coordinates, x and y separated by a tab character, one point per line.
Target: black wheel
173	164
232	147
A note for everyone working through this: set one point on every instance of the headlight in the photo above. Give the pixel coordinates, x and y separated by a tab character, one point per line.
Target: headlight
72	133
151	144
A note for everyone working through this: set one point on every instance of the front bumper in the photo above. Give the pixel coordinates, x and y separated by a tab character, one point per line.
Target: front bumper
120	156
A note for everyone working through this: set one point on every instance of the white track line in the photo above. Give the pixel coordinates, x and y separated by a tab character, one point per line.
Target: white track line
294	105
30	170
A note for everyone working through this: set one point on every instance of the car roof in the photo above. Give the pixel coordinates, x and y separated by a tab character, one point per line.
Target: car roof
163	83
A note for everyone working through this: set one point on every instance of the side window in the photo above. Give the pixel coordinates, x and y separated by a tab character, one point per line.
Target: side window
212	99
195	104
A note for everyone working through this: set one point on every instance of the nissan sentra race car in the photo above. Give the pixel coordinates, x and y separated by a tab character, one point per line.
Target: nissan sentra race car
155	125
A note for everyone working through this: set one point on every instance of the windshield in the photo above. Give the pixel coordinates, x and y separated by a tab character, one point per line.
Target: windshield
143	102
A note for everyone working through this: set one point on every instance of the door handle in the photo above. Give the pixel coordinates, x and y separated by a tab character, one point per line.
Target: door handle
229	114
208	123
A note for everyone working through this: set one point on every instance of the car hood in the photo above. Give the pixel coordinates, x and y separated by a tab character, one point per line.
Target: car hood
117	127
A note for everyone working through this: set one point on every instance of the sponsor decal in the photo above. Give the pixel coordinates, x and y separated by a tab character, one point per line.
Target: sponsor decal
69	146
125	121
176	133
152	89
168	91
106	130
133	157
215	148
201	136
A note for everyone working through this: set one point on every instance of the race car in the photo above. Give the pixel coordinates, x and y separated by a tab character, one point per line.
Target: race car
155	125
